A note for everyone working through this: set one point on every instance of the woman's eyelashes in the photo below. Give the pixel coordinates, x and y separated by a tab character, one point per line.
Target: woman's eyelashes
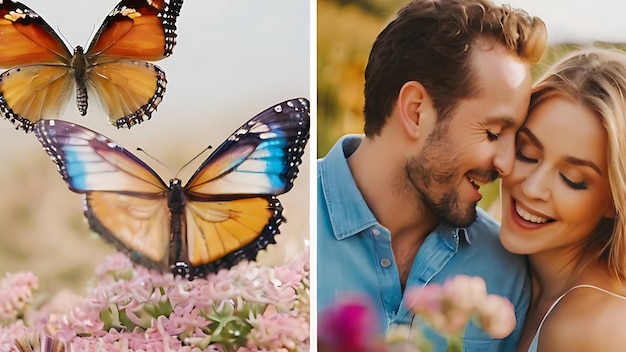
569	183
573	185
523	158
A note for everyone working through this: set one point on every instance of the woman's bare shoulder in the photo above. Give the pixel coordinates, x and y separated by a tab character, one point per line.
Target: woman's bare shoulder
586	319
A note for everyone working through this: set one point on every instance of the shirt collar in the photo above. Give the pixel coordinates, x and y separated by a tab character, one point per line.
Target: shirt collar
348	211
466	235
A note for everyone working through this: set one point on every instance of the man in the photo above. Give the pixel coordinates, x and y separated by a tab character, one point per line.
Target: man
447	85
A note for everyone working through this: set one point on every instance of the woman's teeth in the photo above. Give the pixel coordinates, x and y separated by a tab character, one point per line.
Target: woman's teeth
530	217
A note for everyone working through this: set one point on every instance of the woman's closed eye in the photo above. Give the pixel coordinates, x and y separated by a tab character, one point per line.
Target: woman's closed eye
523	158
568	182
573	185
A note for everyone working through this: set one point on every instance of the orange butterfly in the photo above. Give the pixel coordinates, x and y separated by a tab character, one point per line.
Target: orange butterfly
43	71
225	213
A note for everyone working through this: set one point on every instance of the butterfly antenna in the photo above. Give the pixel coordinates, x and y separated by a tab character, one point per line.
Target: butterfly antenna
192	160
67	41
157	160
93	30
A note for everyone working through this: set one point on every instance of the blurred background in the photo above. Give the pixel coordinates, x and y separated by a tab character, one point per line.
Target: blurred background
234	58
346	30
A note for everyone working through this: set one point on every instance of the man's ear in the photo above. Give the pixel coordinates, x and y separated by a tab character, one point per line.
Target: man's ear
413	106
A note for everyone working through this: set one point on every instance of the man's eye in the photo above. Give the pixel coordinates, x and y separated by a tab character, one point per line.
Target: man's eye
492	136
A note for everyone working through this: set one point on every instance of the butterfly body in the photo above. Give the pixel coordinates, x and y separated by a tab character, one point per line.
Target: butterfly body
176	202
43	72
79	67
226	212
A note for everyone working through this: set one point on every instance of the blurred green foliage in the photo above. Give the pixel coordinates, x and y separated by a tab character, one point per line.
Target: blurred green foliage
346	30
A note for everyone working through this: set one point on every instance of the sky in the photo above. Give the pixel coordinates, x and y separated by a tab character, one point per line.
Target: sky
578	21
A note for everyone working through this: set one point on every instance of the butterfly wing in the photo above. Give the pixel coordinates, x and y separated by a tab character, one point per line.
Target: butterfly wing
261	157
30	93
128	88
125	200
137	29
222	233
128	91
39	82
26	39
232	211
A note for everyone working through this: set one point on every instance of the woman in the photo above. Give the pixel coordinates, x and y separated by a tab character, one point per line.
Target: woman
563	205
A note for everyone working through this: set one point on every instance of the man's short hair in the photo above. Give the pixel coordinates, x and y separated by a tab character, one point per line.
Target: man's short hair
430	41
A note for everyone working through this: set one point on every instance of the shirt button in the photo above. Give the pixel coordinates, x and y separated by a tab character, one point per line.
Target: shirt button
376	232
385	262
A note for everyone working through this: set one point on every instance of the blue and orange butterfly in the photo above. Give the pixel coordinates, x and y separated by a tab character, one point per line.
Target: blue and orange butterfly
43	71
226	212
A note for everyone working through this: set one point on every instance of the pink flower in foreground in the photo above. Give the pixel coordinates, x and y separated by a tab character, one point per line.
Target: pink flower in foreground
16	294
465	291
449	307
496	315
301	266
9	333
432	303
401	338
112	265
277	331
249	307
349	325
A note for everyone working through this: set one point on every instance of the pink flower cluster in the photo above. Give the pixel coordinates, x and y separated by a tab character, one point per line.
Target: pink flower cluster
16	294
449	307
350	325
247	308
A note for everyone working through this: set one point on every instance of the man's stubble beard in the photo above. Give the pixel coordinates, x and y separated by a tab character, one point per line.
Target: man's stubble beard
433	170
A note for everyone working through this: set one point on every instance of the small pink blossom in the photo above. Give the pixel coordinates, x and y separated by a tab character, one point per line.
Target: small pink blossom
16	294
286	276
432	303
401	338
465	291
9	333
114	264
278	331
496	315
178	294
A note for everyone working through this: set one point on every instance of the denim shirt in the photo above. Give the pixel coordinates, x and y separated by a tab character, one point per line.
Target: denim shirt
354	255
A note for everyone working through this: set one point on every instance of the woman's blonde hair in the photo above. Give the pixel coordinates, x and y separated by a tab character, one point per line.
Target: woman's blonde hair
596	77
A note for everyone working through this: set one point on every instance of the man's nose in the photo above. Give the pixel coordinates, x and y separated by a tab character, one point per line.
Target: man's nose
505	154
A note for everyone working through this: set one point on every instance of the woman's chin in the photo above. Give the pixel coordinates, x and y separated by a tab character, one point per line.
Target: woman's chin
510	244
